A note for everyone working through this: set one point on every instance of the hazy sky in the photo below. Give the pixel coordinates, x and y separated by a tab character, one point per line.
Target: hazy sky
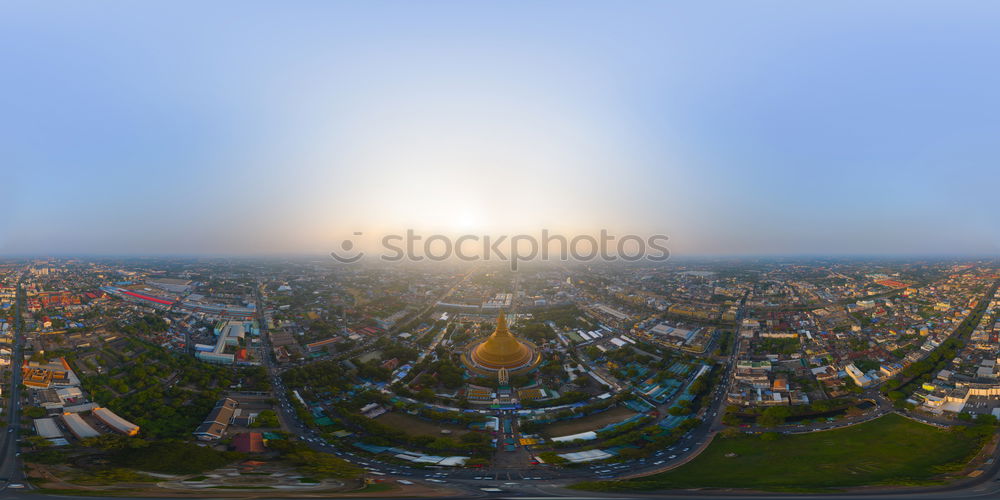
736	127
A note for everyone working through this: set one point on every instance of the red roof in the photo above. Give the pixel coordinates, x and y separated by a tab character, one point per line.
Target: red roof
147	297
249	442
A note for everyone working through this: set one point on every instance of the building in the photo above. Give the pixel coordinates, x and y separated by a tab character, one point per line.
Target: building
322	344
249	442
47	428
116	423
219	311
501	350
891	369
171	284
78	427
44	375
49	399
230	333
217	421
858	376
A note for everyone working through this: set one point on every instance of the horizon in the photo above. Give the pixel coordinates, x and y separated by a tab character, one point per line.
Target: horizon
368	259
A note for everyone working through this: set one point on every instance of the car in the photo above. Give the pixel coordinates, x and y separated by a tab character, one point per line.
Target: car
685	449
671	457
15	485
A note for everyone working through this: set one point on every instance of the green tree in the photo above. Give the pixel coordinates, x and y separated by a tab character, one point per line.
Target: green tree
34	412
267	419
773	416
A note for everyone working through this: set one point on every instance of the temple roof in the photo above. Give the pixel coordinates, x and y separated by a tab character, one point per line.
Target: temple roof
502	349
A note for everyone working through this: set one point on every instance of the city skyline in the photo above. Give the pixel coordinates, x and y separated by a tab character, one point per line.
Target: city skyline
249	129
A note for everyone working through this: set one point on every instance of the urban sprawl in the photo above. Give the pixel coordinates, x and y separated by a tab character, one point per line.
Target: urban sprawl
171	375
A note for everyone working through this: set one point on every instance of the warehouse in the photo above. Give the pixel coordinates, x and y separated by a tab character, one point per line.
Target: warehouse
116	423
47	428
217	421
79	428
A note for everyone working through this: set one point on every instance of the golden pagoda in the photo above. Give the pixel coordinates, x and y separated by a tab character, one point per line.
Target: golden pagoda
501	350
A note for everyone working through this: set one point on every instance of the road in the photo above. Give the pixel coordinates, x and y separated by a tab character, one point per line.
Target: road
695	441
11	471
699	439
397	328
285	411
531	481
544	481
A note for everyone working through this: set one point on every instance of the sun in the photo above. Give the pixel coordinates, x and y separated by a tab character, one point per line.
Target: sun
468	219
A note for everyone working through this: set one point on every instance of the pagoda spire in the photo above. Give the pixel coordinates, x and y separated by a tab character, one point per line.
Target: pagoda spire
502	323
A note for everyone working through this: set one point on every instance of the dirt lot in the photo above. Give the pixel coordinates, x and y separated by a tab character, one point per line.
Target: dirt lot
589	423
417	426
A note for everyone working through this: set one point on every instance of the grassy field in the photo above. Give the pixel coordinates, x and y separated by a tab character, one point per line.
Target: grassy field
416	426
589	423
889	450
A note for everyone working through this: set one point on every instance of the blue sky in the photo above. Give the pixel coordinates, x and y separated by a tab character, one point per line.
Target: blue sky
735	127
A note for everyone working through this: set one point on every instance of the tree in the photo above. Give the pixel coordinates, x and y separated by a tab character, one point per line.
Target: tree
38	442
697	386
173	457
266	418
679	410
34	412
773	416
730	419
986	419
323	465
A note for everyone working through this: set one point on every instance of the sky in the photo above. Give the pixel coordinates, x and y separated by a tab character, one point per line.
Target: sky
284	127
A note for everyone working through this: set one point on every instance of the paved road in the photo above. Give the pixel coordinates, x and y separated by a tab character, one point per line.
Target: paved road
399	326
11	471
537	481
